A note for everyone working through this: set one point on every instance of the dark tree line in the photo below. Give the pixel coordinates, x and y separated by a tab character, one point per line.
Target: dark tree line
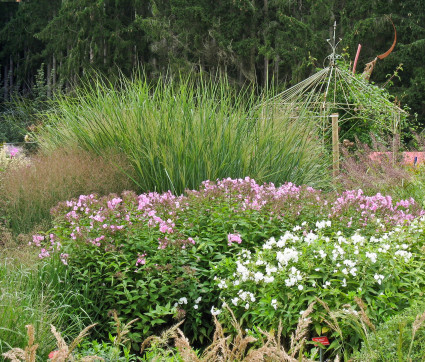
54	43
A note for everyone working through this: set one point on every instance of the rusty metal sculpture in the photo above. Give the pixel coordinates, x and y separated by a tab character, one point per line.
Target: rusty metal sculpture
371	65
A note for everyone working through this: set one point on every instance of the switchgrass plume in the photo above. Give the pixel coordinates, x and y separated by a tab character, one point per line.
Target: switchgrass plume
161	340
121	331
62	354
363	315
416	325
29	353
333	322
357	320
228	348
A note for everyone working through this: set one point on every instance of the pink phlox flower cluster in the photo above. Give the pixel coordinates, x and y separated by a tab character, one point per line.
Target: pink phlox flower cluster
112	204
13	151
37	239
248	193
165	227
98	217
72	215
368	206
64	258
54	243
162	243
406	203
233	238
43	254
188	241
147	201
97	241
141	260
116	227
144	201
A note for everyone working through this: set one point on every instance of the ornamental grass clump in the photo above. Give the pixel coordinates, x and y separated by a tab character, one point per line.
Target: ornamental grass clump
38	294
162	257
29	190
179	133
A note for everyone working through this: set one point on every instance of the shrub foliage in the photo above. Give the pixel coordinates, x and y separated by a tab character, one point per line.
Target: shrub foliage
157	257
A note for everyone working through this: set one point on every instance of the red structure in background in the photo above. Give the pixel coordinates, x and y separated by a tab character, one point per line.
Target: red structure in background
408	158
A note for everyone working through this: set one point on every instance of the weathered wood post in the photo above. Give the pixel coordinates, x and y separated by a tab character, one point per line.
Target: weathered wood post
335	144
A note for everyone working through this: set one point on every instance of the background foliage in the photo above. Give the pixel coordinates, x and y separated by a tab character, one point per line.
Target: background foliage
261	42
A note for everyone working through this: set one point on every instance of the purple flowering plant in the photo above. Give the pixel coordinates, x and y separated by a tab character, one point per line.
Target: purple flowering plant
153	255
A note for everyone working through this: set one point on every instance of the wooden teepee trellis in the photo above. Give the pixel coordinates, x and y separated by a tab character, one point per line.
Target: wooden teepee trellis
335	93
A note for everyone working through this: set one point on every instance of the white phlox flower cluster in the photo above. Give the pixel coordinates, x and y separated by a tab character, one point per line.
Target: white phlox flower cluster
371	256
215	311
221	283
268	245
270	269
258	277
294	277
384	248
182	300
242	271
337	251
245	254
342	240
283	240
288	254
322	253
349	263
326	285
358	239
310	237
322	224
341	260
379	278
244	298
372	239
404	254
197	300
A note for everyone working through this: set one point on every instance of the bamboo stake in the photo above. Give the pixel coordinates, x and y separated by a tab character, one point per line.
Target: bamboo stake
335	144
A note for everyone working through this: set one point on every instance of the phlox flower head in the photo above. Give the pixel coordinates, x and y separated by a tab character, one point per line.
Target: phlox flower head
37	239
182	300
288	254
114	202
379	278
43	254
13	151
322	224
64	258
141	260
233	238
215	311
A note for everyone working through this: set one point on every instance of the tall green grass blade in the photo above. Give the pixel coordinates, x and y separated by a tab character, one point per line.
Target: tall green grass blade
177	134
